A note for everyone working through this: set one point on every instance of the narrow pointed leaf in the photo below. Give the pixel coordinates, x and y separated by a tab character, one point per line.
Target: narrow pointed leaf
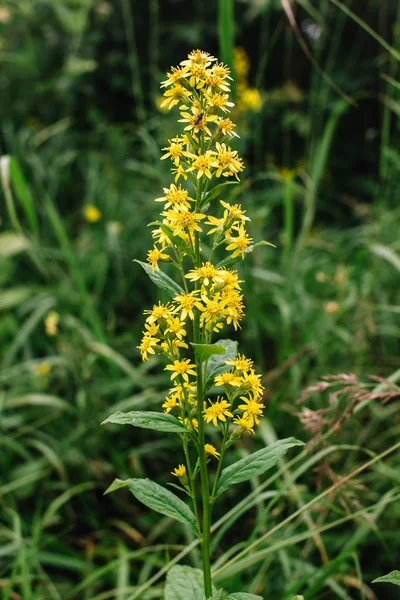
203	352
163	501
168	285
117	484
255	464
147	420
217	190
392	577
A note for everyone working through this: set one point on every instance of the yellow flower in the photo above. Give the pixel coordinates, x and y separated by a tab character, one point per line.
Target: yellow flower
240	243
179	171
252	410
227	378
214	310
241	363
191	424
147	346
217	410
241	63
180	218
176	327
180	473
177	74
217	224
197	121
154	256
210	449
207	272
216	78
43	369
243	424
251	382
226	127
175	196
219	101
251	99
331	307
51	323
203	163
176	150
170	403
184	368
159	312
92	213
175	95
186	303
234	212
227	161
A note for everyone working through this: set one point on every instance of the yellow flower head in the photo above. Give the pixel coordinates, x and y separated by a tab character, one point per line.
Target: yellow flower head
155	255
210	449
240	243
92	213
241	363
217	410
184	368
159	312
187	303
175	196
252	410
51	323
43	369
207	273
180	473
227	378
243	424
147	346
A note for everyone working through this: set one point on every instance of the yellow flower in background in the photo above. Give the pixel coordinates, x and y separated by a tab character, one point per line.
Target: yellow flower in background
51	323
251	99
210	449
43	369
92	213
217	410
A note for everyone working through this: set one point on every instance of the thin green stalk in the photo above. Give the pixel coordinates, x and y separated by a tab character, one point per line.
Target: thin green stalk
191	482
205	492
221	458
288	218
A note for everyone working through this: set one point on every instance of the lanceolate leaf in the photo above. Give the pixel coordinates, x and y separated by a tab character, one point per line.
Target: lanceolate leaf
203	352
184	583
168	285
161	500
229	261
216	363
255	464
147	420
392	577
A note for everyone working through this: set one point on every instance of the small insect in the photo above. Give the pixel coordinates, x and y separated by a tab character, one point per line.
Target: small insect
198	119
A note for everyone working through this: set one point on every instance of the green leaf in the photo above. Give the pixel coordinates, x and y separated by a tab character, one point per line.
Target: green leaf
215	191
392	577
254	464
185	583
147	420
203	352
229	261
117	484
161	500
241	596
216	363
162	280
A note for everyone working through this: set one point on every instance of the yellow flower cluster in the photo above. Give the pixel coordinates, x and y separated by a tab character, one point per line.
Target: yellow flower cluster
211	295
247	98
242	383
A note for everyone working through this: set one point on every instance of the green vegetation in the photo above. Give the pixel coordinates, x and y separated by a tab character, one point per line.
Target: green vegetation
317	94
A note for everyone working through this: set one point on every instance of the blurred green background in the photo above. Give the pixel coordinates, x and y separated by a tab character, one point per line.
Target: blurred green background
317	93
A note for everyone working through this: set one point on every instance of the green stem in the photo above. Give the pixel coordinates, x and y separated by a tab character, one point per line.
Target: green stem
221	458
191	482
205	492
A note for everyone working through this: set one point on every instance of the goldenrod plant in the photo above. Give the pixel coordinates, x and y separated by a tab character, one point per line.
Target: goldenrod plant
216	395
